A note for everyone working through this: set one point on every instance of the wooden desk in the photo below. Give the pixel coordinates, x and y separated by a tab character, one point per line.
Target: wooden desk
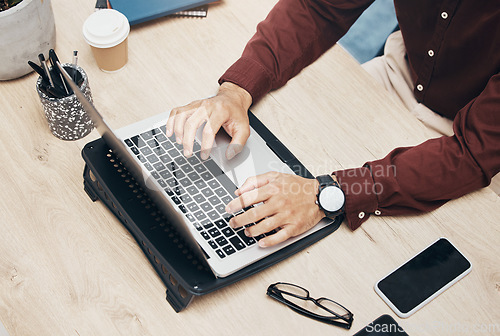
68	267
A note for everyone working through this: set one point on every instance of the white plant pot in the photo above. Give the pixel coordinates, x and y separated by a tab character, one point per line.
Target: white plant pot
26	30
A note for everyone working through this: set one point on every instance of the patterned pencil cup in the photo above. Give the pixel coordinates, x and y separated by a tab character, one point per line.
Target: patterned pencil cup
66	116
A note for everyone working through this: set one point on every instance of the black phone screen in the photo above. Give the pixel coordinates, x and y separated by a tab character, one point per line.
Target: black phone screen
422	276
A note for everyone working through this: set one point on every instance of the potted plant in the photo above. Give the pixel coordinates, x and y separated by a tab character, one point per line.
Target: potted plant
27	29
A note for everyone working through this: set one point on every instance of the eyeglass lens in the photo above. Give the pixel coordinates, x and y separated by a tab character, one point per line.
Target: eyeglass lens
298	296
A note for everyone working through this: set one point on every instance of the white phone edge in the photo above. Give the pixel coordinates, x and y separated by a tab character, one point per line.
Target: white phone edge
430	298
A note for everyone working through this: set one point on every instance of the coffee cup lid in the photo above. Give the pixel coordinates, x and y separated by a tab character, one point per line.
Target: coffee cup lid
106	28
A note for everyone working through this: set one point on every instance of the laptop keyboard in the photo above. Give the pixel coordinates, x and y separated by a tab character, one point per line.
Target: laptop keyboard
199	188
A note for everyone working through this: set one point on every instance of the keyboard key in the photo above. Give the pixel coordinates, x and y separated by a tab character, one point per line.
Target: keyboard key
159	151
159	166
181	160
135	150
155	175
213	215
169	191
190	217
214	232
229	249
191	190
221	241
200	168
148	166
198	226
153	143
138	141
207	223
166	174
173	153
186	198
179	190
185	182
200	184
206	207
172	183
182	208
247	240
176	200
207	192
165	158
200	215
193	176
212	244
162	183
152	158
146	151
205	235
129	142
214	184
220	254
206	176
178	174
237	243
228	232
226	199
167	145
187	168
147	135
221	224
214	200
171	166
221	208
161	137
193	160
193	207
196	146
199	198
220	192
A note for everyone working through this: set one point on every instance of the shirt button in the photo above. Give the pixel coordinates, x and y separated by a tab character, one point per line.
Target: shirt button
444	15
378	213
430	53
361	215
420	87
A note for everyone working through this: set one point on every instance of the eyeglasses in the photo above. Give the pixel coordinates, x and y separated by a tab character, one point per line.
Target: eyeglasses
323	310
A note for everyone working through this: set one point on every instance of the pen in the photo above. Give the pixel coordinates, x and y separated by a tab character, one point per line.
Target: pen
45	68
75	63
39	71
53	60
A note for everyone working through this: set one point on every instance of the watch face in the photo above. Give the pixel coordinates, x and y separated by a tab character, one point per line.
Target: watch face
331	199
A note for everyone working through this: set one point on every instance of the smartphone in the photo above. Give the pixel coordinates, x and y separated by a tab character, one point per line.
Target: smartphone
384	325
423	277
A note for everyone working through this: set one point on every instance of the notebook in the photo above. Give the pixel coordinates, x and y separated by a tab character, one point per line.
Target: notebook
141	11
192	193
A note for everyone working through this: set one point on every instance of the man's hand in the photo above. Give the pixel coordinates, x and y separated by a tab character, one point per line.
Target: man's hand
228	109
288	204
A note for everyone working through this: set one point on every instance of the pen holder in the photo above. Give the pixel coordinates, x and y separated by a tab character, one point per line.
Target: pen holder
66	117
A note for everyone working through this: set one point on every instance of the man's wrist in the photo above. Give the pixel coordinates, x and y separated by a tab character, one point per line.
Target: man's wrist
244	95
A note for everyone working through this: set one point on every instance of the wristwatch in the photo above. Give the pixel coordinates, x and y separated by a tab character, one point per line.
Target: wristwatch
330	198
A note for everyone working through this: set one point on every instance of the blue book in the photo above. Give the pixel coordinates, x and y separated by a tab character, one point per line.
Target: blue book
140	11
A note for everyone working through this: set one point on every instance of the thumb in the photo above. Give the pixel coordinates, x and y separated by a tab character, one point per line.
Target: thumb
238	141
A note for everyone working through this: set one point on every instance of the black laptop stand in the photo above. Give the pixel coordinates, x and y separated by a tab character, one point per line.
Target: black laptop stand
182	273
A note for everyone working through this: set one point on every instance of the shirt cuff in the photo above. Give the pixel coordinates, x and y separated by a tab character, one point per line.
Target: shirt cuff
249	75
360	195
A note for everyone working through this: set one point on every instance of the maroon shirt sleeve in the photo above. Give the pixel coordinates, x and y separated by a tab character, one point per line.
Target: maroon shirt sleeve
424	177
294	34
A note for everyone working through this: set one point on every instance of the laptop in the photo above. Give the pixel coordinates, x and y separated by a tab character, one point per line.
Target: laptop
192	193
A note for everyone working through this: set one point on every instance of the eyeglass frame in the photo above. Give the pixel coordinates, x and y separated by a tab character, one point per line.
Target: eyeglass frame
276	294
